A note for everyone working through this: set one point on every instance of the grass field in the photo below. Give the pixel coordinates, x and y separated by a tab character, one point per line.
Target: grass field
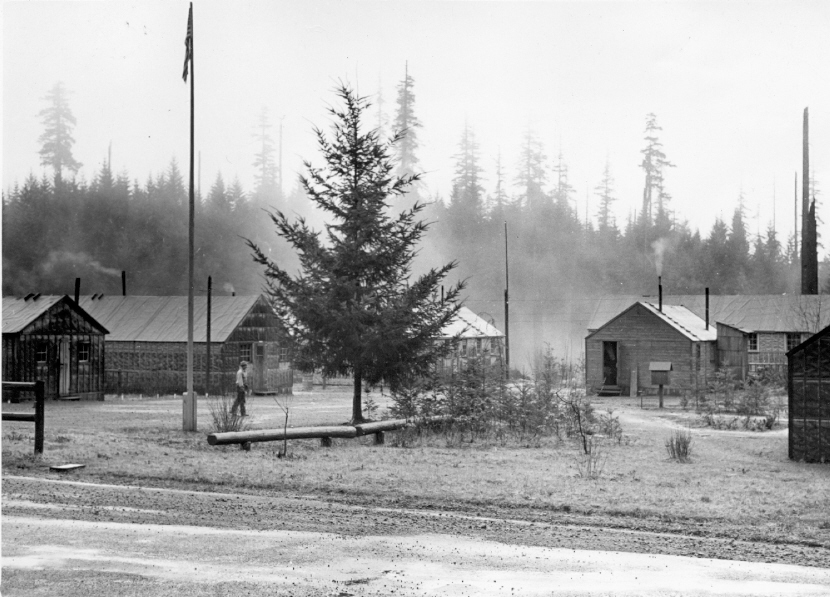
735	480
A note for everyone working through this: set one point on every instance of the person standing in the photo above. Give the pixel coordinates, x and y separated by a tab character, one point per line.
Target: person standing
241	389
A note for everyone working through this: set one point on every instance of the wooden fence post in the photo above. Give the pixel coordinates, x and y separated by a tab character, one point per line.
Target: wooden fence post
40	397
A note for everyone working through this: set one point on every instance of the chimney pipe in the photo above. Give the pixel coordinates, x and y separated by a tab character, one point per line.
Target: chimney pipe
77	290
123	283
707	307
660	293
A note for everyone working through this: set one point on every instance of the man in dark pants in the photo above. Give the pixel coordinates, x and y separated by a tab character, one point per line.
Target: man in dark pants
241	389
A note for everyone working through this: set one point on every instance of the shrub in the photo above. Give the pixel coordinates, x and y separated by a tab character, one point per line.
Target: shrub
591	463
679	445
481	404
223	418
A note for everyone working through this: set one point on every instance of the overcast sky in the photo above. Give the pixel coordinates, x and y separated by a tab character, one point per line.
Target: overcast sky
728	82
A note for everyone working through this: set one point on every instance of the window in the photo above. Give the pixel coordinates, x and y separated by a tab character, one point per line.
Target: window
83	351
260	350
698	356
283	353
752	342
793	340
245	352
41	352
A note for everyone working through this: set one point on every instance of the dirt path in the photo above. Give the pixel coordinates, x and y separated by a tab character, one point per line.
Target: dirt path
59	534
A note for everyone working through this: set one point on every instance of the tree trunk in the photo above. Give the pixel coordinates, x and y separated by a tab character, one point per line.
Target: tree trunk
357	398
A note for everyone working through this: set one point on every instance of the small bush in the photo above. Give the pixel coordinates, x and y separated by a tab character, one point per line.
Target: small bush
590	463
679	445
223	418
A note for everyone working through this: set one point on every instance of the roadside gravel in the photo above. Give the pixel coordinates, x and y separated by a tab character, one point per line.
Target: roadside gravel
358	516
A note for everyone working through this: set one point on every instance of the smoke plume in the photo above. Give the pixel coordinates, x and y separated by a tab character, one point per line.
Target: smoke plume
660	247
64	259
227	287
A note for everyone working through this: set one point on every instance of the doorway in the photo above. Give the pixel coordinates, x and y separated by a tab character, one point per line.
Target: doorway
63	367
259	368
609	363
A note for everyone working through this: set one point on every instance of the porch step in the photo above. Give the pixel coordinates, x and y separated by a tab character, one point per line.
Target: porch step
609	391
70	398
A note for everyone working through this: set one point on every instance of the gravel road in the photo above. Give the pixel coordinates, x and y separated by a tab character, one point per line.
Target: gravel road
97	539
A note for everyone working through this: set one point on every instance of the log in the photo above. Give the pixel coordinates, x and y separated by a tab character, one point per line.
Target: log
377	426
270	435
28	417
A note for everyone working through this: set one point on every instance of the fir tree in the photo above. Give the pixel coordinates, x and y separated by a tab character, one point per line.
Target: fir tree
466	201
532	175
605	192
406	126
56	140
353	308
653	164
265	178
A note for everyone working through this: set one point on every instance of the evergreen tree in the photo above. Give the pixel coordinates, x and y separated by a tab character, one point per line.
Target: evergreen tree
353	308
218	200
265	178
563	190
406	126
56	140
653	164
466	201
498	202
532	176
605	192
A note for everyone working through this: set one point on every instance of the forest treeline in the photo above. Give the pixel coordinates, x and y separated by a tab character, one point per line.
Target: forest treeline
59	227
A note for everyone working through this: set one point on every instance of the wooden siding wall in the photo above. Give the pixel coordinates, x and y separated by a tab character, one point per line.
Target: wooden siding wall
732	350
58	324
809	402
161	368
642	338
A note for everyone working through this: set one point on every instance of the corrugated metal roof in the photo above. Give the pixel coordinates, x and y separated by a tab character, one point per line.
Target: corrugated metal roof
18	313
755	313
470	325
164	318
684	321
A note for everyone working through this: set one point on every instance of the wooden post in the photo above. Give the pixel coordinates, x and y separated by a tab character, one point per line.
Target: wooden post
207	340
40	397
660	394
379	438
325	442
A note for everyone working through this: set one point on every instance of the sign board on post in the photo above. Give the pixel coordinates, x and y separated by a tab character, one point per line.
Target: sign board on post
659	372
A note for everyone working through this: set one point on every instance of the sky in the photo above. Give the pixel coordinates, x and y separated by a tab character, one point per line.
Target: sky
728	82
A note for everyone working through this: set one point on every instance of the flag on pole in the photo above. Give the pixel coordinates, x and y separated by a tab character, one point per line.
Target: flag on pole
188	42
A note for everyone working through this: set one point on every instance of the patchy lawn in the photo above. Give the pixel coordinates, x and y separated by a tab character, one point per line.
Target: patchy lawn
737	482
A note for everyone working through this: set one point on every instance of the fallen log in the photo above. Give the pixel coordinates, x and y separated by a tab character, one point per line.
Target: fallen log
378	426
270	435
30	417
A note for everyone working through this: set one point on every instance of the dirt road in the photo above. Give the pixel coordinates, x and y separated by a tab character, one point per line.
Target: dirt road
61	537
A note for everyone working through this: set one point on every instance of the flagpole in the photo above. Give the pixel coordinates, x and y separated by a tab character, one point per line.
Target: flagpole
189	407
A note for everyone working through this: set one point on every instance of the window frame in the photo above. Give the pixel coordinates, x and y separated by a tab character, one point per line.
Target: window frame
791	336
245	352
84	347
752	339
44	348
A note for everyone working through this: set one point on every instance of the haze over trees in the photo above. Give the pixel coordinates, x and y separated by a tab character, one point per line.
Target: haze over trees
59	226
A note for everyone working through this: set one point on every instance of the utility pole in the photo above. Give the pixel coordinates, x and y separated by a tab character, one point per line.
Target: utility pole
506	310
809	254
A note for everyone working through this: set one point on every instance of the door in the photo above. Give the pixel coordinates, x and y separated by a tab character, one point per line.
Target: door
259	368
609	363
63	367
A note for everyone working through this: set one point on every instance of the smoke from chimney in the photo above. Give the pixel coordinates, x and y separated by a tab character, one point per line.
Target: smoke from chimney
660	246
